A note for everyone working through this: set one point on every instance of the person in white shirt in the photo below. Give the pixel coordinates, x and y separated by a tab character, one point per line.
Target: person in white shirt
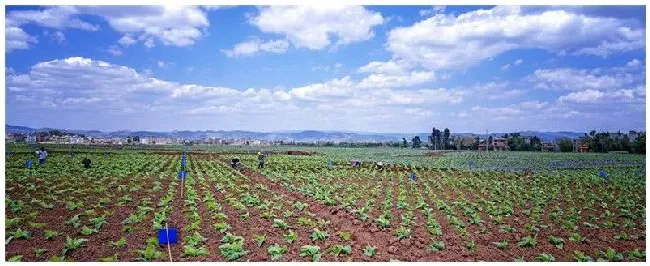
42	156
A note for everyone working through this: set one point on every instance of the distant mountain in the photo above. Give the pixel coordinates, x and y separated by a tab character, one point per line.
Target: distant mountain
293	135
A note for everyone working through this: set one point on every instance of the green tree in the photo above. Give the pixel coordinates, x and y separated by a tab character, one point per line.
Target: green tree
566	145
416	142
445	138
639	144
404	143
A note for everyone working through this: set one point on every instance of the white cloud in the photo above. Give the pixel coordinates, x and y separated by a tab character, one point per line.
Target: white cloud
114	50
505	67
334	67
251	47
579	79
316	27
595	97
433	10
56	36
518	62
16	38
390	67
392	81
169	25
449	42
126	40
56	17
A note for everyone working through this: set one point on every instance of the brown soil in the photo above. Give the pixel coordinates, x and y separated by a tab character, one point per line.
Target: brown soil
299	153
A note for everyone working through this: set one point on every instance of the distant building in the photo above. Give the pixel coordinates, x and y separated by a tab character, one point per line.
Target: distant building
500	144
550	146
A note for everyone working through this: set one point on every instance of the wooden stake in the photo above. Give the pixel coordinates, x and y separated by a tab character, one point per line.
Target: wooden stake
169	249
182	186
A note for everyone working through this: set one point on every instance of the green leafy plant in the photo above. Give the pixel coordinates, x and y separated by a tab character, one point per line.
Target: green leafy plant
87	231
98	222
345	235
437	246
556	241
50	234
319	235
470	245
580	256
545	257
232	251
259	240
369	250
310	250
39	252
150	252
528	241
382	222
221	227
290	237
36	225
72	244
17	258
11	222
502	245
575	237
636	254
276	251
402	233
278	223
340	249
21	234
610	255
109	259
193	251
119	243
57	258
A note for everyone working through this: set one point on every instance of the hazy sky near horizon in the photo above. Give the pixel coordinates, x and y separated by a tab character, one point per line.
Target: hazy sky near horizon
350	68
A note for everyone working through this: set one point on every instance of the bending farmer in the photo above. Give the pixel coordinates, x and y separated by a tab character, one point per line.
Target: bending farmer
86	162
260	160
235	163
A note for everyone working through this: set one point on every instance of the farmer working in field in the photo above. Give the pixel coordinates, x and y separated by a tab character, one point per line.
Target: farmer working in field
86	163
379	166
260	160
42	156
235	163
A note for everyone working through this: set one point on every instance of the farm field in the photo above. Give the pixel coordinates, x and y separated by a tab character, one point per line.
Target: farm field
463	206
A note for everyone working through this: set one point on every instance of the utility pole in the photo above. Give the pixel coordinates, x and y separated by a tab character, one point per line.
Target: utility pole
487	144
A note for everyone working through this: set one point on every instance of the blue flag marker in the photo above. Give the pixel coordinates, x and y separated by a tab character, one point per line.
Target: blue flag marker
412	176
604	175
182	174
167	236
29	163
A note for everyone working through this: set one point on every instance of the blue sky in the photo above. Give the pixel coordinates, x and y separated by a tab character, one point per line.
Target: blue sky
371	68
